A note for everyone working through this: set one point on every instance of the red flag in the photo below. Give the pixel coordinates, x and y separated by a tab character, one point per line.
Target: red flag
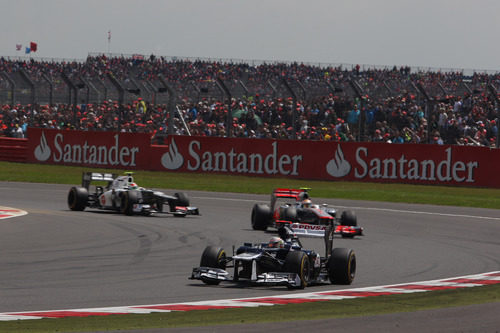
33	46
19	47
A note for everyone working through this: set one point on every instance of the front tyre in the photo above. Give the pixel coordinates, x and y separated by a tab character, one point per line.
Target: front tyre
78	198
182	199
298	262
348	218
213	257
342	266
261	214
128	200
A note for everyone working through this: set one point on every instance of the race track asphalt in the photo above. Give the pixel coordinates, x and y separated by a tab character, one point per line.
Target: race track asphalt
53	258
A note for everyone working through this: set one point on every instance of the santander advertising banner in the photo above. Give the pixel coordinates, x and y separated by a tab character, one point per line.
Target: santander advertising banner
323	160
318	160
92	149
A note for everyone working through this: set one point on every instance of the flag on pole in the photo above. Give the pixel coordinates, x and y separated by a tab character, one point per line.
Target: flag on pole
33	46
109	36
28	50
19	47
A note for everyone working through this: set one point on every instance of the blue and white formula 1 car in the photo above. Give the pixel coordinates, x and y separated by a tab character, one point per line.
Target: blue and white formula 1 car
282	261
123	195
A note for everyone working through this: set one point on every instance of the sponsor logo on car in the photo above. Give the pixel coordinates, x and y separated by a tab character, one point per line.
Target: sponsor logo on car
308	226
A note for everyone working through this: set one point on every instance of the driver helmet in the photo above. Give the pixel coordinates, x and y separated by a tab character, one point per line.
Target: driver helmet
132	186
276	242
306	203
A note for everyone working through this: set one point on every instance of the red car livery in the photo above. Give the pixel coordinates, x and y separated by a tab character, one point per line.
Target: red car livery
292	206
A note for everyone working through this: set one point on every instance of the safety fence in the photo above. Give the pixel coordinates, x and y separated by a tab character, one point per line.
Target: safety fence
116	77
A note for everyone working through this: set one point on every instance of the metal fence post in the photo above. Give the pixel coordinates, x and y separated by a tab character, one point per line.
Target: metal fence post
494	92
71	87
30	82
153	91
51	88
90	85
361	120
121	95
429	108
229	117
170	105
12	88
294	107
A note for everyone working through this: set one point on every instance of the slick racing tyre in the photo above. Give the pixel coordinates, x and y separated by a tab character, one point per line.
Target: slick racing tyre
261	214
298	262
77	198
213	257
348	218
182	199
342	266
128	199
290	214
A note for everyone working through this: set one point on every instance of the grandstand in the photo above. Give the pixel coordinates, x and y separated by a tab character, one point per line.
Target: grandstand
228	97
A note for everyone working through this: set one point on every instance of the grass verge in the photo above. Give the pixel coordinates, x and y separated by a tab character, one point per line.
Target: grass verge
404	193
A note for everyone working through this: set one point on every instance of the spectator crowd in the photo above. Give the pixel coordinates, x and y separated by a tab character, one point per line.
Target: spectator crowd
450	115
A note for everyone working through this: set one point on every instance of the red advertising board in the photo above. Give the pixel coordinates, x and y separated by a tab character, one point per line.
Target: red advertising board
372	162
318	160
92	149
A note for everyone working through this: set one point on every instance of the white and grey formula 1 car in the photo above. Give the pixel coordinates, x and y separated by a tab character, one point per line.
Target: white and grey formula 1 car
282	261
123	195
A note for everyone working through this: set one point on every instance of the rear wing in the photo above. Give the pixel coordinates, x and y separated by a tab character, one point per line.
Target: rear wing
298	230
296	194
88	177
290	193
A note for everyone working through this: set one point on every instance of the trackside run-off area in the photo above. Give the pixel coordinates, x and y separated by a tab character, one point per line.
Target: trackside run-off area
468	281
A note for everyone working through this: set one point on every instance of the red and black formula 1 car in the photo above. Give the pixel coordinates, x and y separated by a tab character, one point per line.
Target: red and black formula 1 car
294	206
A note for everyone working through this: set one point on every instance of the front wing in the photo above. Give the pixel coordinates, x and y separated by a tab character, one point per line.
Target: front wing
348	231
183	211
268	278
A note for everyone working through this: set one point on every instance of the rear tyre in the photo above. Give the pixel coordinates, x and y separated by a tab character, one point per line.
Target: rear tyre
342	266
290	214
348	218
78	198
261	214
298	262
128	199
213	257
182	199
